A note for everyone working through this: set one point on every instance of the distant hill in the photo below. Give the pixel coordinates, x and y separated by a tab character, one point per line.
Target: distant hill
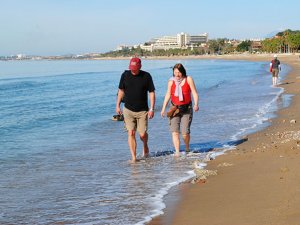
272	34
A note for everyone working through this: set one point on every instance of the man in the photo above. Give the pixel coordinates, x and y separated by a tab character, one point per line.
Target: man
135	85
274	69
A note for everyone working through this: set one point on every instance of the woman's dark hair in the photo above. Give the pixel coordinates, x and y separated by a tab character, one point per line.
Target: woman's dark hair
181	68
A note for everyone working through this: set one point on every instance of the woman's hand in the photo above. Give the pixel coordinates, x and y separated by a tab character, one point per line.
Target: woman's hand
196	108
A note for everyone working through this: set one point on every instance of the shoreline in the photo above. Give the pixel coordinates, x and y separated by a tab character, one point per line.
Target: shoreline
238	56
256	183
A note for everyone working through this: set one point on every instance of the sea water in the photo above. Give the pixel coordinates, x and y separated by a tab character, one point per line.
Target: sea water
64	161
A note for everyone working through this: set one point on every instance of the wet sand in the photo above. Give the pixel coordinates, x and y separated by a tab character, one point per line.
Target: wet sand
258	183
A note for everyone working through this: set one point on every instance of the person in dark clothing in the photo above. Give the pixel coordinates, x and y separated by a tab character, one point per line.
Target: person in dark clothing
274	69
134	86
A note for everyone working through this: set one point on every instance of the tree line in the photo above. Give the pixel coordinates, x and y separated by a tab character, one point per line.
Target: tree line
287	41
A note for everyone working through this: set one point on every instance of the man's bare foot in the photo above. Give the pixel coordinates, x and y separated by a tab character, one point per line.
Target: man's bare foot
145	152
146	155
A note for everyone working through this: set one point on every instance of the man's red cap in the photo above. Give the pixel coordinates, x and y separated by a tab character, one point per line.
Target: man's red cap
135	64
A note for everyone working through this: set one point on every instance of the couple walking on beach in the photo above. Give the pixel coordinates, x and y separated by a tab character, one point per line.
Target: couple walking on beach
134	86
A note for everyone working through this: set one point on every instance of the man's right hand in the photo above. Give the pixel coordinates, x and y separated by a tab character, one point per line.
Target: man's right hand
118	110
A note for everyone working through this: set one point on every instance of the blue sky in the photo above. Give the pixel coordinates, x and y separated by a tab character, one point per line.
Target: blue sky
55	27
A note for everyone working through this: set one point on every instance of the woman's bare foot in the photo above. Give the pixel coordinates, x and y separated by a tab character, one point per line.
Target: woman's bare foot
177	154
133	161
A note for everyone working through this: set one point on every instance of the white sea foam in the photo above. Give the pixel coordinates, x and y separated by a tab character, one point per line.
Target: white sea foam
200	165
264	114
157	200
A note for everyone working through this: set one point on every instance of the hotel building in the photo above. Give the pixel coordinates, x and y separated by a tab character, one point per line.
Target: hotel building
179	41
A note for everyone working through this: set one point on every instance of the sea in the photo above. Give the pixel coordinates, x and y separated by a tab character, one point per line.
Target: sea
63	160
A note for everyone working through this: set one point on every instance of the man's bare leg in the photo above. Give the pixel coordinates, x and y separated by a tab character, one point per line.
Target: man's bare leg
132	144
144	139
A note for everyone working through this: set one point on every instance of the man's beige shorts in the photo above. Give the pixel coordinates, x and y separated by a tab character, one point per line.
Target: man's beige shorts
275	72
136	120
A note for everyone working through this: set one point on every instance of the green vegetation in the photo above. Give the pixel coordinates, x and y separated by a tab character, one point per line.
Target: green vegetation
271	45
287	41
283	42
244	46
171	52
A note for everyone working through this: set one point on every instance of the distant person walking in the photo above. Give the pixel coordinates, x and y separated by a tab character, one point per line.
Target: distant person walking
274	69
180	90
135	85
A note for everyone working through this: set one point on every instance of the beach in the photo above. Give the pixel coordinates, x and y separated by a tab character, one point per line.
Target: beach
63	157
256	183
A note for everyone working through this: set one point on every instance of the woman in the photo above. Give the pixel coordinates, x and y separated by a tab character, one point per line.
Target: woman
180	89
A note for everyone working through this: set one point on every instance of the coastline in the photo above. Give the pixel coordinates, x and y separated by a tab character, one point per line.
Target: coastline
240	56
258	182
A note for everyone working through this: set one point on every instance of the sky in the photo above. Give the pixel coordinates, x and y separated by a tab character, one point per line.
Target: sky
58	27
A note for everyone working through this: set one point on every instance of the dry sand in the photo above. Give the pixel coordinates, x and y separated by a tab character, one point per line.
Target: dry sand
258	183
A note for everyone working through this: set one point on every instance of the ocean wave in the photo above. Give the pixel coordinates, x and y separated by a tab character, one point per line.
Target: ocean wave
41	75
215	86
201	147
17	85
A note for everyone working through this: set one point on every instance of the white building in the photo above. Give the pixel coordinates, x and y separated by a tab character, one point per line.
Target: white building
179	41
20	56
197	39
122	47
